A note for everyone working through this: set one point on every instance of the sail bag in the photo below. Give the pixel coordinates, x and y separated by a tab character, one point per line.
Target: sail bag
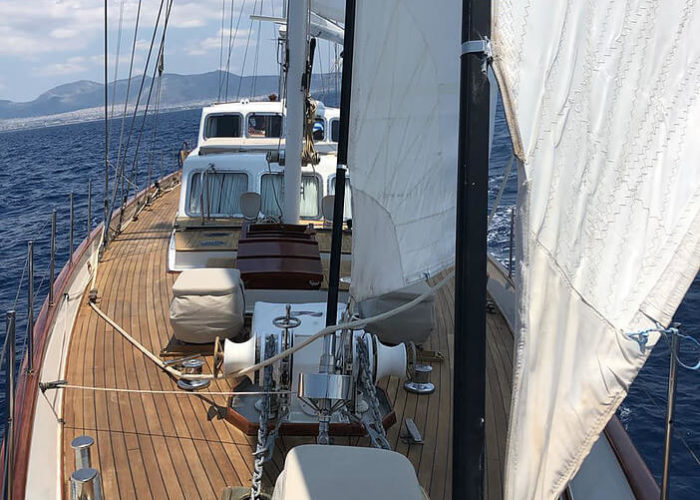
402	148
603	104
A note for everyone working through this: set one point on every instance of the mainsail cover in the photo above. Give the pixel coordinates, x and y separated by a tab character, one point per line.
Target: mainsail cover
402	149
603	102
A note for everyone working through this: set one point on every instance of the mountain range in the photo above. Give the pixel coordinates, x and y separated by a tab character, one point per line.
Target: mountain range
177	91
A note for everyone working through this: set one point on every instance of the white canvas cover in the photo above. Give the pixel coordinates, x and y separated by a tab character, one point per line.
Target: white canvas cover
207	303
402	152
603	102
313	472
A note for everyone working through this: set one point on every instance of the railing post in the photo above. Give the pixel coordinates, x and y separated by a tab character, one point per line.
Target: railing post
10	398
70	231
89	208
30	307
670	407
510	243
52	257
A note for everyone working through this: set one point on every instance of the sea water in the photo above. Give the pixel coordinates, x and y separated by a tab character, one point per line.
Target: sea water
39	169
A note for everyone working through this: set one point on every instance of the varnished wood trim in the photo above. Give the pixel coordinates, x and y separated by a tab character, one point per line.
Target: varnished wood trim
638	475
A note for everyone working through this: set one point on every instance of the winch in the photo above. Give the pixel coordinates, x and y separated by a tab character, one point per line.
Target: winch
302	373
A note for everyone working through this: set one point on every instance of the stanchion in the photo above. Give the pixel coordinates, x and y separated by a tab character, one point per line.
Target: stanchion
30	307
52	257
670	407
70	231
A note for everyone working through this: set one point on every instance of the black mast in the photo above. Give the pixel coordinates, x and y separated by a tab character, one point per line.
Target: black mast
339	202
470	260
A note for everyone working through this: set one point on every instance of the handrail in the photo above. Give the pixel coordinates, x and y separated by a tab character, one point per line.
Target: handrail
643	484
26	387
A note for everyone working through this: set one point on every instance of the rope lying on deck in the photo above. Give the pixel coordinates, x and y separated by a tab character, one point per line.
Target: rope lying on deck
350	325
156	391
169	369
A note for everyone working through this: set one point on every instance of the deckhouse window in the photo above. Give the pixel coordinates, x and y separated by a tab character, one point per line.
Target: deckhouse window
223	126
272	194
335	130
347	205
319	130
221	196
264	125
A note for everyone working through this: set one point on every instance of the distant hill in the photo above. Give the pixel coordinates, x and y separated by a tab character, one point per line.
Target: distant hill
176	91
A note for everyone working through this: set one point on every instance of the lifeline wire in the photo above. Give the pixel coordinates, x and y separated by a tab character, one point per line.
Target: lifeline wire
677	432
157	391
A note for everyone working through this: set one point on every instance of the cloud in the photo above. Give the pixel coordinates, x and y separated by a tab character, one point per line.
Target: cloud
50	26
63	33
213	43
70	66
44	38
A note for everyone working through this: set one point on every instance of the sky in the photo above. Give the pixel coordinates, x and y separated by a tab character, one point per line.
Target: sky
45	43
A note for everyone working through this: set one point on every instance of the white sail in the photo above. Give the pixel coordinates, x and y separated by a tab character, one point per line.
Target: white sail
333	10
603	101
402	153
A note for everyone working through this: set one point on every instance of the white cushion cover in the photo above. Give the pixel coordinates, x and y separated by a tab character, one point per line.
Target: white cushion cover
316	472
207	281
207	303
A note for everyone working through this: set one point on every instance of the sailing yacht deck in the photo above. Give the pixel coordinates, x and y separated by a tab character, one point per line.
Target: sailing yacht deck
162	446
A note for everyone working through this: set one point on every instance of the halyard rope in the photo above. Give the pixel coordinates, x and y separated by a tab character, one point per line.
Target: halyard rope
351	325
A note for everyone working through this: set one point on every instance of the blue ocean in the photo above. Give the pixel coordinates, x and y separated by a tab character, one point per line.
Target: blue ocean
39	169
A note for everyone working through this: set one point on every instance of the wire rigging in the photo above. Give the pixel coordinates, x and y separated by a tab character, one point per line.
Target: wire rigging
116	59
257	52
676	430
245	54
122	163
156	70
232	42
155	124
221	45
140	92
119	174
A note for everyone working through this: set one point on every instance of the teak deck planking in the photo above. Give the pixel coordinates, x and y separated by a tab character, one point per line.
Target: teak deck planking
162	446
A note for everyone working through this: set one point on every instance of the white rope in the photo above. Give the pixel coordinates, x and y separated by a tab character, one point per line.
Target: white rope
172	371
155	391
351	325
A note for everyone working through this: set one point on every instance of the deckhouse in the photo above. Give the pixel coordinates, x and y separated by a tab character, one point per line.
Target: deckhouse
235	173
